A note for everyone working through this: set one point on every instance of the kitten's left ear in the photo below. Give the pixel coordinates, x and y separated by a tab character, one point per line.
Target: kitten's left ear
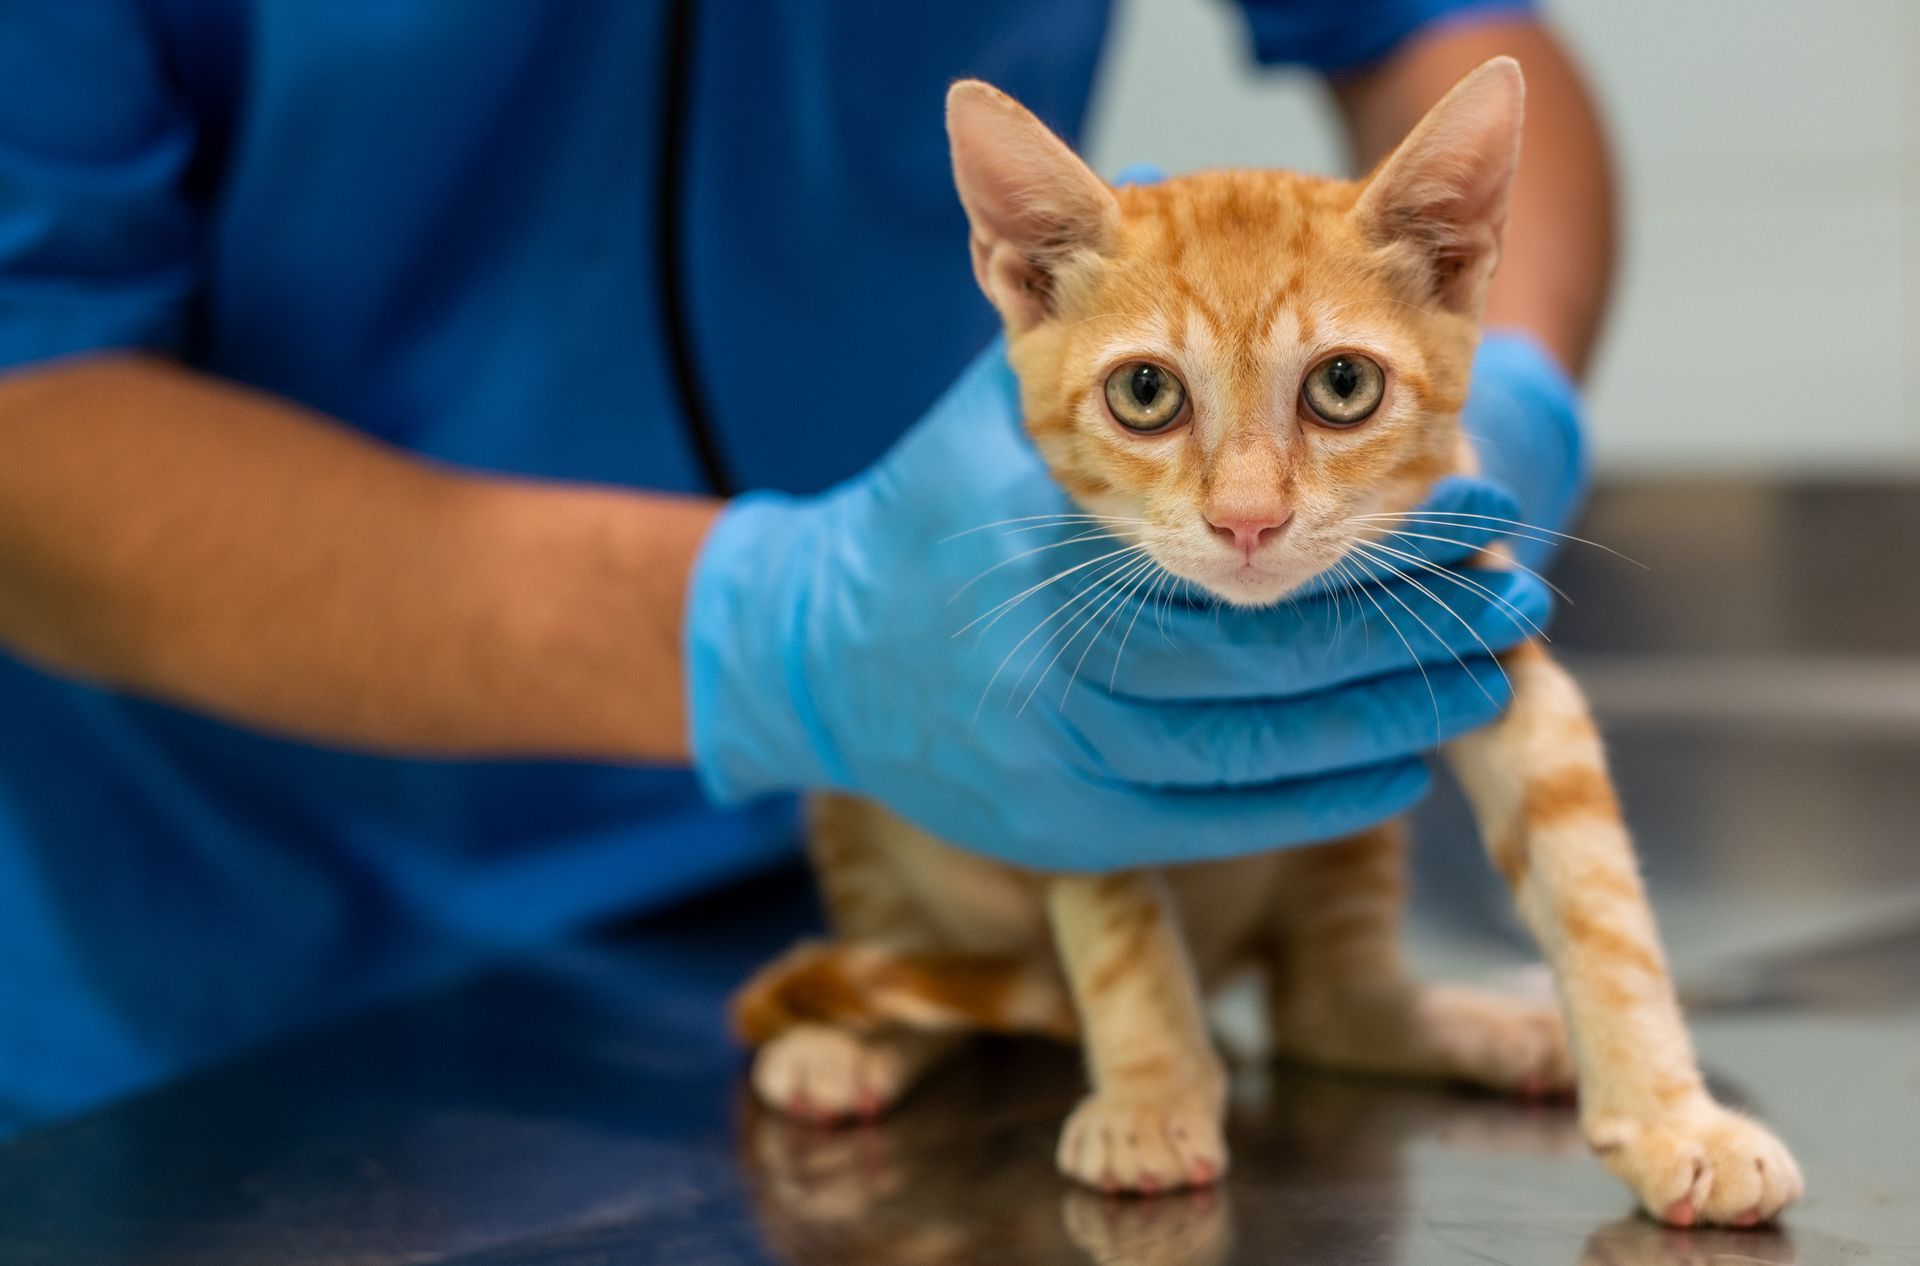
1440	199
1034	207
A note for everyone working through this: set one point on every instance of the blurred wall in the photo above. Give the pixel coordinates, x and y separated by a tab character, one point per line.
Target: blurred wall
1768	315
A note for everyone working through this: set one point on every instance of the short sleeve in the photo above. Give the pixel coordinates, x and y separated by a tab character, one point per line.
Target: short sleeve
97	235
1338	35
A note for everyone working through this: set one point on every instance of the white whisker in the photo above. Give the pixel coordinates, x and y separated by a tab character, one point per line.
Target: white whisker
1367	593
1514	613
1094	534
1338	618
1514	563
1494	535
1350	580
1437	601
1112	588
1039	521
1000	610
1160	575
1140	578
1097	585
1450	518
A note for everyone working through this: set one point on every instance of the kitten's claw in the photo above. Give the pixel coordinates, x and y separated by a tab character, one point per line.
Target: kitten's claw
1132	1144
1700	1163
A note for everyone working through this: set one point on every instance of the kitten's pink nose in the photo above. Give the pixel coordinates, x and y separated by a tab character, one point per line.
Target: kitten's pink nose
1248	532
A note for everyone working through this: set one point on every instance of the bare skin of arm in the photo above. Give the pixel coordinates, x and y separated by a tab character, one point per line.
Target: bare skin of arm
1558	262
179	537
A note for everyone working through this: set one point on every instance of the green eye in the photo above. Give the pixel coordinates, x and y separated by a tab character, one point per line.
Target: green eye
1144	397
1344	390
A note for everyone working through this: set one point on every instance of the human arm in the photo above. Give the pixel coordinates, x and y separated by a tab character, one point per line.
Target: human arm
179	537
1557	263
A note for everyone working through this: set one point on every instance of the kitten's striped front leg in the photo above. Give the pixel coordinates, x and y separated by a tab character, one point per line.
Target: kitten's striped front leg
1546	808
1153	1121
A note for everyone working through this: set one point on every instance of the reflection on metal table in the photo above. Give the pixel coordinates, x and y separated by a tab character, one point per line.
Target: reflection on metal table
1763	701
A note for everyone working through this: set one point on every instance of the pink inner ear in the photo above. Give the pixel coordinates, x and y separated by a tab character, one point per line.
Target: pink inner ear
1031	201
1015	283
1006	185
1031	191
1444	191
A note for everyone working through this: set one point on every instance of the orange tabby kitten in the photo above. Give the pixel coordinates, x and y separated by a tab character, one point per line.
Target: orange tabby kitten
1237	290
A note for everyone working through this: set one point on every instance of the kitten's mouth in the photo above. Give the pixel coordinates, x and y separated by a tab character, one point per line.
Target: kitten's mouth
1268	577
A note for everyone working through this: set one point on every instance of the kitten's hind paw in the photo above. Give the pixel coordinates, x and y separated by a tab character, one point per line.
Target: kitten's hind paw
1512	1045
821	1073
1136	1144
1699	1164
1453	1032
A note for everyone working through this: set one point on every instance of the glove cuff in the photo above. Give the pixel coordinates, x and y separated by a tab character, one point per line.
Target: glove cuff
752	725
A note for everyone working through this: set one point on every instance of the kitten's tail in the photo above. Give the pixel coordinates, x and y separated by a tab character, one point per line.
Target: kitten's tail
868	987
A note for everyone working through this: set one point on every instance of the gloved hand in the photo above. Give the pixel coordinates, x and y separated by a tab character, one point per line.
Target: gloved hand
1523	417
822	653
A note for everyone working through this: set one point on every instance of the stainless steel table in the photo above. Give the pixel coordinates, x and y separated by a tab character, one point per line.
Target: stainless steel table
1762	687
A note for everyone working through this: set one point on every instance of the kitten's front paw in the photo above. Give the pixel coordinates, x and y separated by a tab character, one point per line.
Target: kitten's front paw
821	1073
1136	1143
1700	1163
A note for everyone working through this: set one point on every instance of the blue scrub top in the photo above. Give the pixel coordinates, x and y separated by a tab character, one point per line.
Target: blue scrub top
445	224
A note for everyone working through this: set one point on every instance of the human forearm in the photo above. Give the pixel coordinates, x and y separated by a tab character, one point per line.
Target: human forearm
1557	263
177	537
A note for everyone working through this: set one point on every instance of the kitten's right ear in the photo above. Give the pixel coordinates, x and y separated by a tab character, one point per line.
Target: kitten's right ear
1033	205
1439	202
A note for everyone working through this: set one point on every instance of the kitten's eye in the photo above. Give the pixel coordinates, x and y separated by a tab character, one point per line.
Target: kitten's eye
1144	397
1345	389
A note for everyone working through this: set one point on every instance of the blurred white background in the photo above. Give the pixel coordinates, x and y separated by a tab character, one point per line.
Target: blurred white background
1768	314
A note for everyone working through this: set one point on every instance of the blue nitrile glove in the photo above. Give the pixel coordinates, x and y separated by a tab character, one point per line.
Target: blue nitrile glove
822	653
1523	418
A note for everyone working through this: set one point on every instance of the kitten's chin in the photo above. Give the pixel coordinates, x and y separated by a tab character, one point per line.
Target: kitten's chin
1252	585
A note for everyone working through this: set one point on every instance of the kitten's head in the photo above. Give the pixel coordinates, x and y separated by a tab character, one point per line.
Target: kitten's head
1240	362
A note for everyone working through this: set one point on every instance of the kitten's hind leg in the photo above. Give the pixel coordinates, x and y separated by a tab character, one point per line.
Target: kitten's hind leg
1341	996
844	1028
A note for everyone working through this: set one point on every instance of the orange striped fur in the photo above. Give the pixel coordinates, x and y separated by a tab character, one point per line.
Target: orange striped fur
1243	282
